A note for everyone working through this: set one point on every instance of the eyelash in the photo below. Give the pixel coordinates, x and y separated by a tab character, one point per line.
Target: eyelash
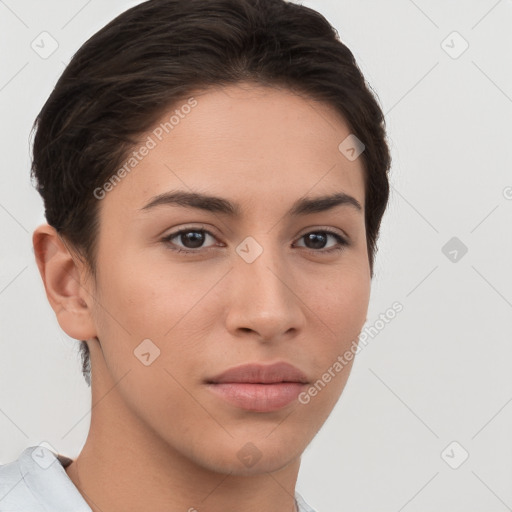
342	243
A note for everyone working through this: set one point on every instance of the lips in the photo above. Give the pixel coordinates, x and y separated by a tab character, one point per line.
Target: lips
261	374
257	387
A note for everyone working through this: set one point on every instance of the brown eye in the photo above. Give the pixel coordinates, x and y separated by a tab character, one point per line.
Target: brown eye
317	240
191	238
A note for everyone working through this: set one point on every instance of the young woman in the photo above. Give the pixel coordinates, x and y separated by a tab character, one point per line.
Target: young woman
214	174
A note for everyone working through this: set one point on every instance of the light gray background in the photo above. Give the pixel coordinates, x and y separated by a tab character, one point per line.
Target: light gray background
440	371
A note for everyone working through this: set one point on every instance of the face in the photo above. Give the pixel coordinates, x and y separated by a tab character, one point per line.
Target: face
188	289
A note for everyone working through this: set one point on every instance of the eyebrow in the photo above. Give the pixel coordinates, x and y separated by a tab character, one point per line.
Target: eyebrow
303	206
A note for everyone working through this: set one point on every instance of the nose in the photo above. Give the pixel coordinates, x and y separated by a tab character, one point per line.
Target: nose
263	302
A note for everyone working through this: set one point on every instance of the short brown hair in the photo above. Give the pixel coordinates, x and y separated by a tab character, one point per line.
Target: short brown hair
120	82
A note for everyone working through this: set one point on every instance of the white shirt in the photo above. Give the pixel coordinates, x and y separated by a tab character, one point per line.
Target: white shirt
37	482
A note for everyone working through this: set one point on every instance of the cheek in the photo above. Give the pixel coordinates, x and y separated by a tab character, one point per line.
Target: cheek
348	312
163	304
340	305
140	303
340	312
146	301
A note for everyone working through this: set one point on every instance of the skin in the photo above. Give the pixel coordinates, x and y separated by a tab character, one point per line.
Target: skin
159	439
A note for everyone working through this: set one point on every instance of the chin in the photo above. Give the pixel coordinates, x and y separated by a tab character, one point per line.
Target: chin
266	464
253	458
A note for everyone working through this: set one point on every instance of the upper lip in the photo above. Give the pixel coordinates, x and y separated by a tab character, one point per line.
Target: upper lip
260	374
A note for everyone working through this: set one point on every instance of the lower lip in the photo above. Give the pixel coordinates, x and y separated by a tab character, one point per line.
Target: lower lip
258	397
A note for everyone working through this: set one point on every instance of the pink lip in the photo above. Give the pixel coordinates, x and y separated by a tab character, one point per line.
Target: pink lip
259	388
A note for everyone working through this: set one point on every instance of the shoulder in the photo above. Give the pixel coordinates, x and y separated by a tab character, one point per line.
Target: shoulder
15	495
38	482
302	505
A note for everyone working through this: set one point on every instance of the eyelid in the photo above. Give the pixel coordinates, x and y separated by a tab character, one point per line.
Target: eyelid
328	229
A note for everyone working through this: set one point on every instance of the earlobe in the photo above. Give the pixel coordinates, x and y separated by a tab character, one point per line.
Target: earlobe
64	283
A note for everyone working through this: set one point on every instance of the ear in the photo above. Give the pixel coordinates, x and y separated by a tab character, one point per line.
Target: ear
65	283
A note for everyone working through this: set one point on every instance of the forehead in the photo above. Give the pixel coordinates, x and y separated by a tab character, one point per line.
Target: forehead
263	146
